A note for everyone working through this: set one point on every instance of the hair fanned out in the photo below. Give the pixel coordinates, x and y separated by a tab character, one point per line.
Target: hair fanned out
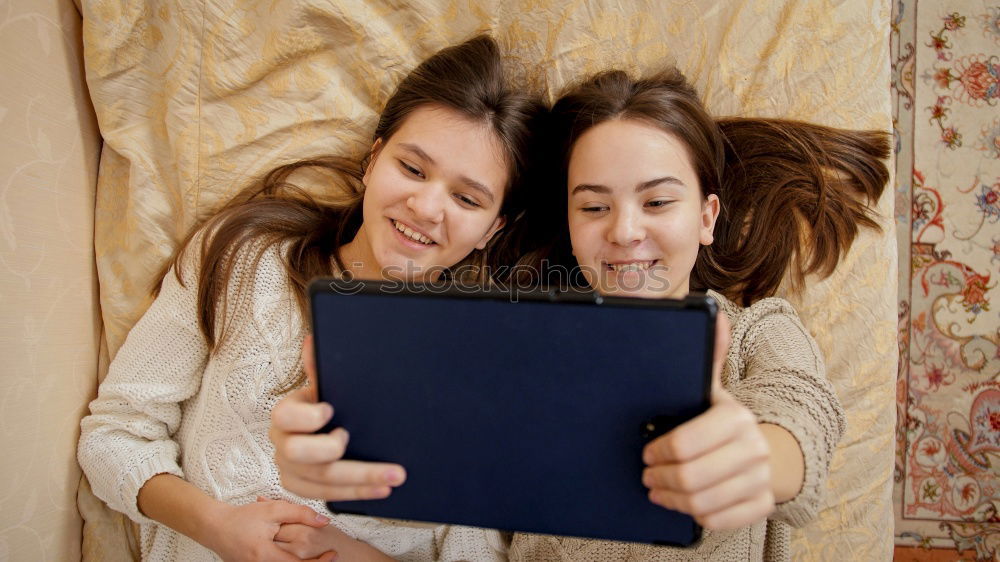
793	195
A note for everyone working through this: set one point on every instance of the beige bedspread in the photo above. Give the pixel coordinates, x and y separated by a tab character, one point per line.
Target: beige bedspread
195	98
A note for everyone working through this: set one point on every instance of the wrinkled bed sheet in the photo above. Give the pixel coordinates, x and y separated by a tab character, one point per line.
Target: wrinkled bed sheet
196	98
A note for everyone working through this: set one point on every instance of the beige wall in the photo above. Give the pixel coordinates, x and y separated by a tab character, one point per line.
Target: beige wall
49	324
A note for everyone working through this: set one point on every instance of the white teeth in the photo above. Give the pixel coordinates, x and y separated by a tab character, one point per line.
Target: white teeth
411	234
637	266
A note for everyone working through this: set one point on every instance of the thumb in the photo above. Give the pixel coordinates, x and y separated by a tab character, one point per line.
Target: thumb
722	341
293	513
308	392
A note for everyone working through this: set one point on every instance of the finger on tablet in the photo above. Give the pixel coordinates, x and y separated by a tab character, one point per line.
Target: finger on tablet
718	425
320	449
732	461
293	415
354	473
711	501
740	515
308	489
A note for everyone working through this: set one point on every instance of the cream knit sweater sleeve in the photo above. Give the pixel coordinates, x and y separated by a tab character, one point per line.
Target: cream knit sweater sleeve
128	437
777	371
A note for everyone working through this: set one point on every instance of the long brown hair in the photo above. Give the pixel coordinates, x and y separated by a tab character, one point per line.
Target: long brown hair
467	77
793	194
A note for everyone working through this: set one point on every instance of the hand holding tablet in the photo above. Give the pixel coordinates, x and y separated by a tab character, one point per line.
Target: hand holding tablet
311	464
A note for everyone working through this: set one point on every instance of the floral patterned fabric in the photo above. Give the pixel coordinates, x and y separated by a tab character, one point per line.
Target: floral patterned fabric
946	81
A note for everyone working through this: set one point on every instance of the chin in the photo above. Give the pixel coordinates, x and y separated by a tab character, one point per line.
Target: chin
651	289
635	293
394	266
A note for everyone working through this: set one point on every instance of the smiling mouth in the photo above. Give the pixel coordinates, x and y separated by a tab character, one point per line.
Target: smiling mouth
411	234
622	267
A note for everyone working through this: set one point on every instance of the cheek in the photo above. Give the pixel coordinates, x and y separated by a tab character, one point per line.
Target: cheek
682	237
373	192
466	229
585	239
369	205
384	184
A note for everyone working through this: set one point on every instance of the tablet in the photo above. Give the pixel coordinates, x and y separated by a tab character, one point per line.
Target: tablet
525	416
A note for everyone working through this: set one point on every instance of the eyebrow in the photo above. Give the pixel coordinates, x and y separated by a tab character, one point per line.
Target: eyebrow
604	190
469	182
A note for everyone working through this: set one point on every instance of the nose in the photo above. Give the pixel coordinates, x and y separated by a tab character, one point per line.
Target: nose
626	228
428	204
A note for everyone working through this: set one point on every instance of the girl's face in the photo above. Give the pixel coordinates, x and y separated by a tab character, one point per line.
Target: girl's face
433	193
636	213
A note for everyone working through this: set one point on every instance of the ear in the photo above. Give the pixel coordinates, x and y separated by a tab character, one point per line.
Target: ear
709	214
372	156
497	225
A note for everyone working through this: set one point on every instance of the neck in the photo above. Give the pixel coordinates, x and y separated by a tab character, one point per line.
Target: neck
357	258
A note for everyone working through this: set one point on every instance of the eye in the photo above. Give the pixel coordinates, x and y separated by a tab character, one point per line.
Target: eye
466	200
594	209
411	170
659	203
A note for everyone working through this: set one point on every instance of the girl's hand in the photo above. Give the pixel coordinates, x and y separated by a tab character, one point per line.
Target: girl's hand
311	465
716	466
303	541
308	542
328	543
248	532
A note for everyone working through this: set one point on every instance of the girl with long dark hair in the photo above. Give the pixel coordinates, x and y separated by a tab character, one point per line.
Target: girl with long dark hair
177	437
661	199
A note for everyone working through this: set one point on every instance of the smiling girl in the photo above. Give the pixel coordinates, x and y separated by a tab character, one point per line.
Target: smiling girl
660	200
177	437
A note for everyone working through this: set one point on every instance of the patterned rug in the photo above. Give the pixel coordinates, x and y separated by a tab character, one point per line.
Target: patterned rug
946	86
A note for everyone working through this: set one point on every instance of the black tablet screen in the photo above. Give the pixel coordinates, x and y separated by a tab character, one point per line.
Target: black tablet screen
525	416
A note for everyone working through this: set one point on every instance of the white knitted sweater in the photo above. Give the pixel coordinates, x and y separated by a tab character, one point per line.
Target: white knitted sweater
168	406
